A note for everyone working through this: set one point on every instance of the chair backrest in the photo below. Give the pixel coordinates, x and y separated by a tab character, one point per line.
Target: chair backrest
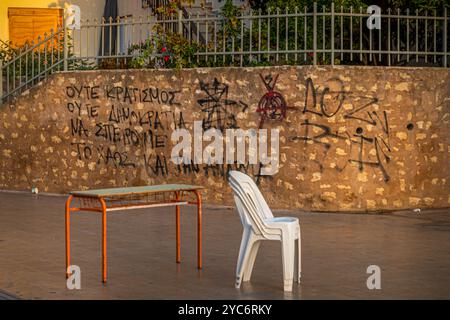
250	203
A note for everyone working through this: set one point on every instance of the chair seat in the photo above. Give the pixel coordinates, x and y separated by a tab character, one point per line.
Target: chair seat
283	219
277	222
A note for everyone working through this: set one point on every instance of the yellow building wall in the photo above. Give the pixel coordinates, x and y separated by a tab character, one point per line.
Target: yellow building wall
90	9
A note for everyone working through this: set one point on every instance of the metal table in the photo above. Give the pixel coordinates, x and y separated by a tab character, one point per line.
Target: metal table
114	199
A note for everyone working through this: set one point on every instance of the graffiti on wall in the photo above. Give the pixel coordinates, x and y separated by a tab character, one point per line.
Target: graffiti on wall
361	147
218	110
111	139
272	105
130	128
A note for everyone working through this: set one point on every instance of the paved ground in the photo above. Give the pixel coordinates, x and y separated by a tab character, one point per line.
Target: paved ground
412	250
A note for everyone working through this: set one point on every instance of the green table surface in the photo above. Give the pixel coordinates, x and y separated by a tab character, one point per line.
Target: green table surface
111	192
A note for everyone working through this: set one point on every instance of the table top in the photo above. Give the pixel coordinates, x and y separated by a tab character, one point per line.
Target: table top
111	192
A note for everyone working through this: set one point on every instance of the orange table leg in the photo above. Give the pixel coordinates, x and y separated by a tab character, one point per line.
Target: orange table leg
177	223
199	229
104	255
69	200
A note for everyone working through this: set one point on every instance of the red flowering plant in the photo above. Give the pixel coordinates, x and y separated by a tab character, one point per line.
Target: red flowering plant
164	49
165	54
176	51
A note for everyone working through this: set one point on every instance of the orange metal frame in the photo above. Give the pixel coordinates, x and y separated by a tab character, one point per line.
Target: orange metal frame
103	210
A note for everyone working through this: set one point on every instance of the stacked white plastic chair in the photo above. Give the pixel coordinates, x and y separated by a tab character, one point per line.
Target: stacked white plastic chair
260	224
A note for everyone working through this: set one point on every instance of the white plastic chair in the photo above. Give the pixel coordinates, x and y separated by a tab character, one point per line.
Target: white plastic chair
260	224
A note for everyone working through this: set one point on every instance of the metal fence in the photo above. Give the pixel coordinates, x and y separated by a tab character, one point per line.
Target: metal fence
31	63
313	35
325	36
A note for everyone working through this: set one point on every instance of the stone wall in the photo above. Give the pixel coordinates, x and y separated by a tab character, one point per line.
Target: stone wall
352	139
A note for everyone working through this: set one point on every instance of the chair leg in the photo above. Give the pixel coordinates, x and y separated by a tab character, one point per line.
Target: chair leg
244	253
251	261
288	245
298	262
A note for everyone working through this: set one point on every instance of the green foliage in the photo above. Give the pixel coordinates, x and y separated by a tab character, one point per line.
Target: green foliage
165	49
420	5
301	4
28	63
231	24
393	4
234	38
33	63
6	51
168	10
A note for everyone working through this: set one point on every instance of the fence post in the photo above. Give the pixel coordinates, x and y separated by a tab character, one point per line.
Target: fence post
445	37
180	22
315	33
66	48
332	33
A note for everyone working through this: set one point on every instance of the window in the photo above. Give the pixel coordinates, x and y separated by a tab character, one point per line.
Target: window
26	24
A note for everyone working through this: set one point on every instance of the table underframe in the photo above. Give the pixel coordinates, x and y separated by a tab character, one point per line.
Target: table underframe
103	209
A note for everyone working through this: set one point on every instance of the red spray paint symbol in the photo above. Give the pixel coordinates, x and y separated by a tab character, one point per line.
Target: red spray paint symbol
272	105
